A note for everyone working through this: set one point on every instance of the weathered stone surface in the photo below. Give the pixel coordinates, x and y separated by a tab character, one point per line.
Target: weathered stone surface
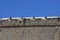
30	33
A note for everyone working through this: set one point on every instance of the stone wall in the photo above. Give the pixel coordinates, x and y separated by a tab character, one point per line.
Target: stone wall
30	22
30	33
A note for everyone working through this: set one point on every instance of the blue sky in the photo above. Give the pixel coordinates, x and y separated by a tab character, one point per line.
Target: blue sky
18	8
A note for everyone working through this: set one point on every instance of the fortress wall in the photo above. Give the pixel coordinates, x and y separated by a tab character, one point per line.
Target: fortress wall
30	28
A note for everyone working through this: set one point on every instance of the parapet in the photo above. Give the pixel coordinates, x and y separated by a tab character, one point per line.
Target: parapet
30	21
